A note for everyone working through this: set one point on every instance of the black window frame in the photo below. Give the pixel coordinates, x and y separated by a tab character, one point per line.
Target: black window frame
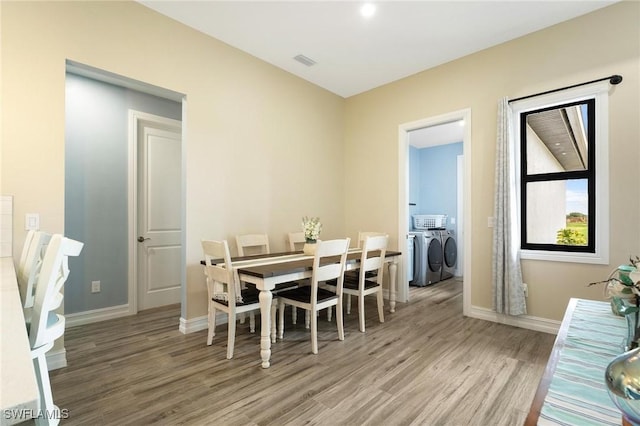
589	174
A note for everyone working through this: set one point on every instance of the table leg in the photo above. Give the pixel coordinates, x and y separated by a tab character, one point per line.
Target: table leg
393	284
265	327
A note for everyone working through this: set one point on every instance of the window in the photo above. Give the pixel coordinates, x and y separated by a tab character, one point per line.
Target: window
563	174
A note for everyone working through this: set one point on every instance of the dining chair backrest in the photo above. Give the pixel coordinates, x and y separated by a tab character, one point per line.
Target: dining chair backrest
29	273
25	251
46	325
362	235
252	244
368	262
326	270
220	276
296	238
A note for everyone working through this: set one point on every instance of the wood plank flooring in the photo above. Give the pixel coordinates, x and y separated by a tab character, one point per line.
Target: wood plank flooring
425	365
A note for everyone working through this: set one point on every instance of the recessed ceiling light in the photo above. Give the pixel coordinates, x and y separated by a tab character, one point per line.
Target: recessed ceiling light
368	10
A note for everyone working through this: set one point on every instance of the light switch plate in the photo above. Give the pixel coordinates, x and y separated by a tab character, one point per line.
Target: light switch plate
31	221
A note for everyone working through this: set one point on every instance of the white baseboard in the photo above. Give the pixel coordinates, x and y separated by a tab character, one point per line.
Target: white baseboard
524	321
192	325
56	359
96	315
200	323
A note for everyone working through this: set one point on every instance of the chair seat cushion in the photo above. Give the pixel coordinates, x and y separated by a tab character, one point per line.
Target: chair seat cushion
303	294
353	284
249	297
286	286
356	274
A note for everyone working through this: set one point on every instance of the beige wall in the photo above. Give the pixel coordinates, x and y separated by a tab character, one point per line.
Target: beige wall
263	148
257	138
596	45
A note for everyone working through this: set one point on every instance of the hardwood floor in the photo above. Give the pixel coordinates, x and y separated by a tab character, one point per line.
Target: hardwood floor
425	365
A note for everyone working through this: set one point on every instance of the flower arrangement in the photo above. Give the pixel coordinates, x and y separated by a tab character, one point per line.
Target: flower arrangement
622	288
312	228
623	282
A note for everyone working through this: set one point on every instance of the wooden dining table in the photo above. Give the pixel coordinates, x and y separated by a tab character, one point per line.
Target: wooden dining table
266	271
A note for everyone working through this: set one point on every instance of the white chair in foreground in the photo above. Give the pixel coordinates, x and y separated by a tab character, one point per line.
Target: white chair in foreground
314	298
25	251
46	325
30	271
224	293
372	259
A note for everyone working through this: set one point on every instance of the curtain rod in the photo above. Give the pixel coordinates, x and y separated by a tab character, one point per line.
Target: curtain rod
613	79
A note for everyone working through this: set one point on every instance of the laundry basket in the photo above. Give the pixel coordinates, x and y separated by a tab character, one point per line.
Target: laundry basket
426	221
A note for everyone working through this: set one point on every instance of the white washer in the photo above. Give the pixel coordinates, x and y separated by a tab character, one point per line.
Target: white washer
427	255
449	253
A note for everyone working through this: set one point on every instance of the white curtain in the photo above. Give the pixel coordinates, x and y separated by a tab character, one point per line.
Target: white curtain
508	291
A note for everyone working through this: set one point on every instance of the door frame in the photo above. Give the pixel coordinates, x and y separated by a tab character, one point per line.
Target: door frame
135	117
403	197
460	206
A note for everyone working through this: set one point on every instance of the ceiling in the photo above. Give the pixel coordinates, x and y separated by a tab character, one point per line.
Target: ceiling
440	134
354	54
564	133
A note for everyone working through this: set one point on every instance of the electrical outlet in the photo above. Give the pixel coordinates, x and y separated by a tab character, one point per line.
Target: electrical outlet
491	221
31	221
525	288
95	286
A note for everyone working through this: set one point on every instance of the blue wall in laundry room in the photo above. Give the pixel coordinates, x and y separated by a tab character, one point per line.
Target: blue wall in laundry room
414	183
433	180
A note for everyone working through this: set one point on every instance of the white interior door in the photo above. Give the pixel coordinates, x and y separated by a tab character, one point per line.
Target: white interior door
159	212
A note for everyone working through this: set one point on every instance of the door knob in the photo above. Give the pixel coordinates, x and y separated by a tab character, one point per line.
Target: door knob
142	239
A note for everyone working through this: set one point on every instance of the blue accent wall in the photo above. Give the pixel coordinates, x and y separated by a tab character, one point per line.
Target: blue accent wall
96	168
433	180
414	182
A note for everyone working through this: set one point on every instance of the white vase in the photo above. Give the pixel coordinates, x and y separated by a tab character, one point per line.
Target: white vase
309	249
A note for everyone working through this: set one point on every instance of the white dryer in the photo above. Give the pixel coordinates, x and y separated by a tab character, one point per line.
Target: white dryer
427	255
449	253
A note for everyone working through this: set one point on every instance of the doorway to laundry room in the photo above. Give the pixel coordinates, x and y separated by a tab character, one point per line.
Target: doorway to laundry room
434	215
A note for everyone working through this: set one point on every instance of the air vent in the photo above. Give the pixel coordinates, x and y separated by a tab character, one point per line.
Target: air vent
304	60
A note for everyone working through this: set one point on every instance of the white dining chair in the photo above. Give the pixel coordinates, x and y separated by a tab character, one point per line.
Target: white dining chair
353	275
30	271
224	292
251	244
371	260
362	235
25	251
313	298
296	240
47	325
257	244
